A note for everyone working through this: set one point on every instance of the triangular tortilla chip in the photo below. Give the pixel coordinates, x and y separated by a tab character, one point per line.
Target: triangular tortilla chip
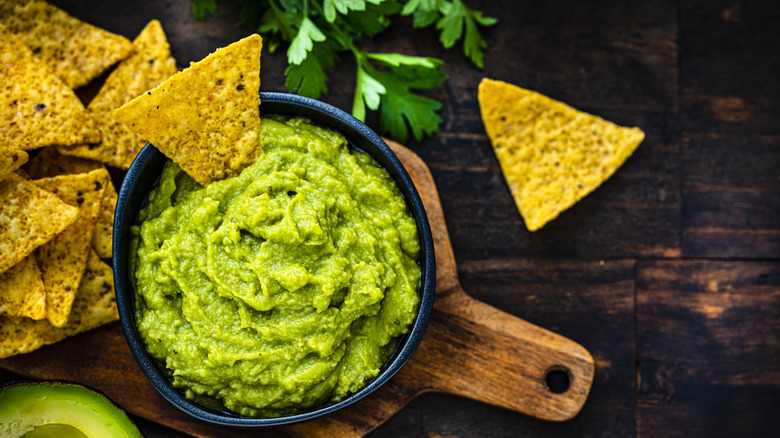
36	107
151	64
205	118
10	160
49	162
76	51
94	306
62	259
21	290
551	154
103	237
29	217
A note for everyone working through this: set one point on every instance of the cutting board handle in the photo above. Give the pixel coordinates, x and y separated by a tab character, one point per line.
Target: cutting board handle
477	351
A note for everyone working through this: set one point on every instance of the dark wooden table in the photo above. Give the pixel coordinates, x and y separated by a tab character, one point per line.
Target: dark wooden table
669	274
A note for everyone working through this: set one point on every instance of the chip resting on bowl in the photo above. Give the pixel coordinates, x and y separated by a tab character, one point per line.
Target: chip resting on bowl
205	118
551	154
36	107
78	52
29	217
151	64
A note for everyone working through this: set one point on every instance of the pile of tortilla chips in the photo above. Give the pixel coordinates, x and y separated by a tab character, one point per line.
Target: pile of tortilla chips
57	198
551	154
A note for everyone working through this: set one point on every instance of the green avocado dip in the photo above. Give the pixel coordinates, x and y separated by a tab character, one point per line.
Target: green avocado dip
283	288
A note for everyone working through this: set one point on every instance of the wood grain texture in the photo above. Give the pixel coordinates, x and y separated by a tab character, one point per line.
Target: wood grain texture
464	338
730	111
706	366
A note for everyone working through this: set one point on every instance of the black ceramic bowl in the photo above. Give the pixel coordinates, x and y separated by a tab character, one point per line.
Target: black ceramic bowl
143	175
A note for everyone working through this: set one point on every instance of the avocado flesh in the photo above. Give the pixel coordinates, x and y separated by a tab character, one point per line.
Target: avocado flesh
61	410
54	430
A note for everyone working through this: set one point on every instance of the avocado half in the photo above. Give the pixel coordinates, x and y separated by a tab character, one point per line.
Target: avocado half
60	410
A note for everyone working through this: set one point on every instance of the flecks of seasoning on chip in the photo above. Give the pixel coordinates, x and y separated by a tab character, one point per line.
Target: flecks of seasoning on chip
551	154
21	290
77	51
10	160
36	107
145	69
205	118
95	305
29	217
49	162
62	259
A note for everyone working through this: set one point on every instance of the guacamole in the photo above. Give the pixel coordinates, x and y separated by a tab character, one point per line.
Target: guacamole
283	288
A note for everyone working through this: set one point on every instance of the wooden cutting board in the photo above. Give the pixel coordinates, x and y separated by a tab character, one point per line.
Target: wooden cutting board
469	349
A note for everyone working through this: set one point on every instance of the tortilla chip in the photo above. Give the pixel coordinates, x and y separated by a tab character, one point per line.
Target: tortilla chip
148	66
36	107
94	306
103	237
49	162
29	217
78	52
551	154
62	259
205	118
10	160
21	290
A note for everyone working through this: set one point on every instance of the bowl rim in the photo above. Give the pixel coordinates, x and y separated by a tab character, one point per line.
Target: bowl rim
357	134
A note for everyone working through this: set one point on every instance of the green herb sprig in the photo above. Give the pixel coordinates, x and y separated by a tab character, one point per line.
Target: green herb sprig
317	32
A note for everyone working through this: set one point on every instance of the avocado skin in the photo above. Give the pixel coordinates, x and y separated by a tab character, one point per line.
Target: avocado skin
27	406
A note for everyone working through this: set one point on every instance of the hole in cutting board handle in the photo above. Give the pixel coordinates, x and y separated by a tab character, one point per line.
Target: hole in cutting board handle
557	379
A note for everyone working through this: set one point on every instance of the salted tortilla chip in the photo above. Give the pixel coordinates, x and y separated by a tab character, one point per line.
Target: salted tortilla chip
10	160
77	51
205	118
551	154
21	290
36	107
49	162
94	306
29	217
151	64
63	258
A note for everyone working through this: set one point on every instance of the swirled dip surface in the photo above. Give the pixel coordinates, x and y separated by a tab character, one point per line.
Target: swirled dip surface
283	288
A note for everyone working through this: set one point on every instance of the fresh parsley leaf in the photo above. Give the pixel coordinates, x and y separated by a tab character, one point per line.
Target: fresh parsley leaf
277	26
374	19
368	93
309	78
425	12
397	60
301	45
401	109
342	6
201	7
456	16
